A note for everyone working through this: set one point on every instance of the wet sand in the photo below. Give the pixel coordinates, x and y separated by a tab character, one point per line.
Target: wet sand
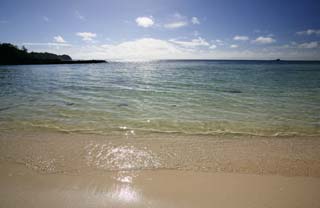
77	170
20	187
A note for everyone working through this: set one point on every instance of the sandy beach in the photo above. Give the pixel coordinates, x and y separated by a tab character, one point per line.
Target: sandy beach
73	170
159	104
21	187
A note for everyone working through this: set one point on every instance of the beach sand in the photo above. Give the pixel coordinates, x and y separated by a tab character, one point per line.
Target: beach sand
21	187
68	170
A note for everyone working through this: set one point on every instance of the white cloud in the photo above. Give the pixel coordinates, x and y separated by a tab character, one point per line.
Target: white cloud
87	36
193	43
241	38
177	21
195	21
234	46
47	44
213	46
144	21
59	39
174	25
46	19
309	45
79	16
264	40
309	32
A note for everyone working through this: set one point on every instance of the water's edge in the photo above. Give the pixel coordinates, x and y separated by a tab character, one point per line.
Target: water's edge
53	153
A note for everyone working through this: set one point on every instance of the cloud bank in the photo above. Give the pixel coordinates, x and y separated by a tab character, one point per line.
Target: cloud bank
309	45
309	32
193	43
152	48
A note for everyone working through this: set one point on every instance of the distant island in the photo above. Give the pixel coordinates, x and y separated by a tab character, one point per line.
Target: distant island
13	55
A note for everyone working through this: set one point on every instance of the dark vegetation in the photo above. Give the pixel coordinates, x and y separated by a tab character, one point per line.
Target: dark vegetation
12	55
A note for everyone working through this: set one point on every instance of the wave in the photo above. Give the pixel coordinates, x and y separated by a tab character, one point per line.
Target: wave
126	131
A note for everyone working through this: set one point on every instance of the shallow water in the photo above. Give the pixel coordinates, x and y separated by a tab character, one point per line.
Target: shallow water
184	97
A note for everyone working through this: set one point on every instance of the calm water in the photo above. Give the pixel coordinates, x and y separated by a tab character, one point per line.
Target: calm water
185	97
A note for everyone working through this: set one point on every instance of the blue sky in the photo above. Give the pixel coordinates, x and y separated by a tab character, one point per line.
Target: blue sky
164	29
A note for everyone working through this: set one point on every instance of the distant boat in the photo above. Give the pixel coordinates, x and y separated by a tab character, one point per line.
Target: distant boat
278	60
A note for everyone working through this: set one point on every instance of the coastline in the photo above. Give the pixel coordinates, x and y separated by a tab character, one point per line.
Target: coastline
59	62
13	55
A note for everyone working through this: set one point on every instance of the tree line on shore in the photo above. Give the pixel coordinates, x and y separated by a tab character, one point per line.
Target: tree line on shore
13	55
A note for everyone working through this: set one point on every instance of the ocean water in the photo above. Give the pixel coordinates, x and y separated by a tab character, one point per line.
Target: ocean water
129	99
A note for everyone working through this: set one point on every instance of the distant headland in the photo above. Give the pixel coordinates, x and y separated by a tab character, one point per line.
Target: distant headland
13	55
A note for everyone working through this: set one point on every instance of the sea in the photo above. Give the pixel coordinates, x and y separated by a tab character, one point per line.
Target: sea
181	97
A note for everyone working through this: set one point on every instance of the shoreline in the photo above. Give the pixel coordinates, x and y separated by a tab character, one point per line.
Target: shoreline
52	152
58	62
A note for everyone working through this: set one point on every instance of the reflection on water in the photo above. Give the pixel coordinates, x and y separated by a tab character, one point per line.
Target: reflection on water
120	157
123	190
124	193
125	176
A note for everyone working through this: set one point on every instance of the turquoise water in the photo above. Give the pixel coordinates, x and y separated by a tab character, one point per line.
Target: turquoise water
182	97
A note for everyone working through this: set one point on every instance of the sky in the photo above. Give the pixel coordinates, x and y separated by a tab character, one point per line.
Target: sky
165	29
